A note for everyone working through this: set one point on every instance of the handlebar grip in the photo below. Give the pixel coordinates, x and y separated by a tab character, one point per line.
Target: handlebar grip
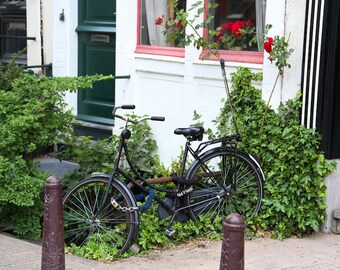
157	118
128	107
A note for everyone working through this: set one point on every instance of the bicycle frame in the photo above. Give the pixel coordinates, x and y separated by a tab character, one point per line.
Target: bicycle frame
143	183
123	148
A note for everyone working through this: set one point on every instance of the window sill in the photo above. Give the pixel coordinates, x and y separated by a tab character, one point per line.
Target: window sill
237	56
166	51
228	55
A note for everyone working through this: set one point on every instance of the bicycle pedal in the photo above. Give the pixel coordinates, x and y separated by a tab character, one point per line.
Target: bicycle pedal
135	248
170	232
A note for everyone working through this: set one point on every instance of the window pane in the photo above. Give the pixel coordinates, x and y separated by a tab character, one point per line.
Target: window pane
150	33
241	21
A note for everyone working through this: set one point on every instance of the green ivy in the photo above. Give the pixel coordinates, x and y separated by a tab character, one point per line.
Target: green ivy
151	236
294	189
295	168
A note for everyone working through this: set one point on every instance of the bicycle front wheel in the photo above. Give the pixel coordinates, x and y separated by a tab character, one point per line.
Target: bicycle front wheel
88	219
226	181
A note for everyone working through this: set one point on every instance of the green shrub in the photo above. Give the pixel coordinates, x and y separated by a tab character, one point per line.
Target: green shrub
294	167
33	116
20	196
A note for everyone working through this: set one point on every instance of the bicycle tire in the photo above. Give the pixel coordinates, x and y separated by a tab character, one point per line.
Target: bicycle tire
116	227
212	181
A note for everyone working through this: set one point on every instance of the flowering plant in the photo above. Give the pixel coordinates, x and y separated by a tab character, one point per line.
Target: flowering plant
174	29
236	34
278	50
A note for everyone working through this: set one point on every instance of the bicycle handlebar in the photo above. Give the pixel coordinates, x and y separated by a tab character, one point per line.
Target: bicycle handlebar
157	118
131	107
128	107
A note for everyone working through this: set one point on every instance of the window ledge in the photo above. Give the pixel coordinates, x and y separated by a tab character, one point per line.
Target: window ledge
165	51
237	56
248	57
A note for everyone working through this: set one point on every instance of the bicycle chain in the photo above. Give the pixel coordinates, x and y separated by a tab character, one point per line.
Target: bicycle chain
123	208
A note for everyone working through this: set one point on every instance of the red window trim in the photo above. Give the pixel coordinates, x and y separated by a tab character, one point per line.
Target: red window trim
233	56
237	56
155	50
227	55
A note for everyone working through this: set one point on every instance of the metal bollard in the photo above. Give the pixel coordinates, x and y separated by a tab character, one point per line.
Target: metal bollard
232	254
53	256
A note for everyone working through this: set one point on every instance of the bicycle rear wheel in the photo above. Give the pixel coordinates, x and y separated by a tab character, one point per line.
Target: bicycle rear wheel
84	220
227	181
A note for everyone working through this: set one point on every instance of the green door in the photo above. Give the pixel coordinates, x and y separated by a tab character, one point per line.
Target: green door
96	55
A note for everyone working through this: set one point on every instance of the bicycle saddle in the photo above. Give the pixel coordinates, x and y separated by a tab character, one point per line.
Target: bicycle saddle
191	133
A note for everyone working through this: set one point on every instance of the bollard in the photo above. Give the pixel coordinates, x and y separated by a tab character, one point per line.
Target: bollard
53	256
232	254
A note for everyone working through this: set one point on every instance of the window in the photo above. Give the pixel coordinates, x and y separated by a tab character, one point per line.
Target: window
232	15
152	40
150	10
231	11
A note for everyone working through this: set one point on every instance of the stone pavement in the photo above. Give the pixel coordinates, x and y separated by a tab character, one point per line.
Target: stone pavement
319	251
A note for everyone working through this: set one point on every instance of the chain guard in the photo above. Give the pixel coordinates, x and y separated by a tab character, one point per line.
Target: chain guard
164	213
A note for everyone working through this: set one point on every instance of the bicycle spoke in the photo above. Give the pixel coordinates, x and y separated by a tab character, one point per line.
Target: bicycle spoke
85	221
226	182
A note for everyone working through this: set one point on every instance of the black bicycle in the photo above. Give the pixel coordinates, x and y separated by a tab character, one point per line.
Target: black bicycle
222	179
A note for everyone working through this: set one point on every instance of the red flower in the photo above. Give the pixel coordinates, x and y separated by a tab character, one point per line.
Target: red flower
219	37
268	45
159	20
178	24
227	26
249	23
235	29
235	33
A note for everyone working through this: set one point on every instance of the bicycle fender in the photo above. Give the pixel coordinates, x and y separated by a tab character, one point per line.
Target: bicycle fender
258	165
252	158
101	175
128	191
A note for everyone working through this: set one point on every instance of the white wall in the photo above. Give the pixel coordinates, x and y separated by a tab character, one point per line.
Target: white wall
33	30
333	198
48	17
170	86
35	54
288	19
294	29
167	86
65	44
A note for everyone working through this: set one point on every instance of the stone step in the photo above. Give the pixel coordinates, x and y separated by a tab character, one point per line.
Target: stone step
56	167
336	214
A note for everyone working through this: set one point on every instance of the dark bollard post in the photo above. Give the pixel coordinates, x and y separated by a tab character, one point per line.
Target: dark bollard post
53	256
232	254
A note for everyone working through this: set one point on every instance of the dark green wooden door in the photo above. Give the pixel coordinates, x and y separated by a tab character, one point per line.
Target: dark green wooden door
96	55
